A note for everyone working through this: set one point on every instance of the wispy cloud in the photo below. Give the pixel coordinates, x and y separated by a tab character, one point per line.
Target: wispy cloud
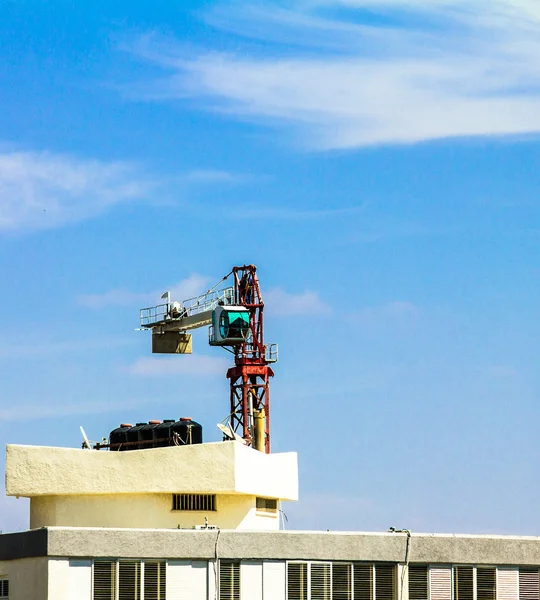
189	287
282	303
43	190
191	364
343	81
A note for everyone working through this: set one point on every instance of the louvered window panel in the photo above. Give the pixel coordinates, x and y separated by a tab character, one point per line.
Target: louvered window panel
418	582
154	580
341	582
507	583
320	582
104	580
297	581
486	587
363	581
129	580
229	580
440	583
385	582
528	584
194	502
463	583
4	589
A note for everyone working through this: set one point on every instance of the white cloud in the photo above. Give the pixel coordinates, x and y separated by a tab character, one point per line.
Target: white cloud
282	303
189	364
191	286
43	190
475	73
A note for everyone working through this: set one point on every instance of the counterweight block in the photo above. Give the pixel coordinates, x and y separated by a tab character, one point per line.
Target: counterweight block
172	342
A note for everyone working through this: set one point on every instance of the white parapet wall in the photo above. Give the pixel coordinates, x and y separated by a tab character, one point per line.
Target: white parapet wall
72	487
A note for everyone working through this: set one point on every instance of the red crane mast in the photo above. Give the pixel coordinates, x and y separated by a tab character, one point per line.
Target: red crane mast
250	377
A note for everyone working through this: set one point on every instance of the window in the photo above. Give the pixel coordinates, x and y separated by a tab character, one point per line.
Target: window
194	502
363	582
154	580
528	584
297	581
128	580
418	582
4	588
340	581
468	582
486	583
463	583
229	580
268	505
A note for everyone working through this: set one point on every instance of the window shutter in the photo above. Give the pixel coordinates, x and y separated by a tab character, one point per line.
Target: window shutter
507	584
129	580
229	580
528	584
463	583
418	582
251	579
186	580
297	581
79	580
273	580
440	583
154	580
341	582
4	589
104	580
320	581
363	582
385	582
486	583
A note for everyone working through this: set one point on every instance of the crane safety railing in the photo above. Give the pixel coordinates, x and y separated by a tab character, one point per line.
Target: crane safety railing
163	313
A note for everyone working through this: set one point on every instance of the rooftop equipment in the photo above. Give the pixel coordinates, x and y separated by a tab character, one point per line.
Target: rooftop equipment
119	436
186	432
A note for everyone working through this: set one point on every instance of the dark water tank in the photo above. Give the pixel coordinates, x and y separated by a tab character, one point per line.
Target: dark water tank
188	431
135	435
148	434
162	434
119	436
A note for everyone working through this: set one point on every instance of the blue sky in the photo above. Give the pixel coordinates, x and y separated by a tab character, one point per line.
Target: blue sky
378	161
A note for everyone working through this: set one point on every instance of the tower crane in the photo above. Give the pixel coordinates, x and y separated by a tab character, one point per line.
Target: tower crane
234	317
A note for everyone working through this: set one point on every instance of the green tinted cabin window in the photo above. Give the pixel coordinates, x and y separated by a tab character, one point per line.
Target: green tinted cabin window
234	325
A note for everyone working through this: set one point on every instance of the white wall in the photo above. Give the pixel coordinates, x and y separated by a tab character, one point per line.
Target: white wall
28	578
153	511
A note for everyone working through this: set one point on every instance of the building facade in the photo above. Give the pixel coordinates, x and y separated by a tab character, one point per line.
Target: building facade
202	522
119	564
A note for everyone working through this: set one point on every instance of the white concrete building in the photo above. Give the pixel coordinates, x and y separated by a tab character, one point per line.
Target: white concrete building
223	484
131	526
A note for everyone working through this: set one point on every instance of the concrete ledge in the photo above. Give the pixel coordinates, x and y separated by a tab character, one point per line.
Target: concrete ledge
182	544
376	547
222	467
